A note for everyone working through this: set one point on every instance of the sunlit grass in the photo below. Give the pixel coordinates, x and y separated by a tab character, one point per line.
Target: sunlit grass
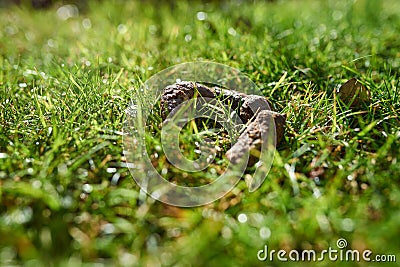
67	196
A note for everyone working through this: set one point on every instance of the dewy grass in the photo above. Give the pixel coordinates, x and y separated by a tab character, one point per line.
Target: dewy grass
67	77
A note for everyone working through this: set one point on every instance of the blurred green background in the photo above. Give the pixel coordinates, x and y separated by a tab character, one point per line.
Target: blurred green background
68	69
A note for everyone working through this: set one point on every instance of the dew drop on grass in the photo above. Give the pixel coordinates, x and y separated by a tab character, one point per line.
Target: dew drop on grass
323	222
19	216
36	184
111	170
226	232
122	29
316	193
30	72
174	232
265	233
201	16
242	218
232	31
127	257
67	11
152	243
86	23
153	29
188	37
108	228
337	15
67	201
87	188
347	225
62	169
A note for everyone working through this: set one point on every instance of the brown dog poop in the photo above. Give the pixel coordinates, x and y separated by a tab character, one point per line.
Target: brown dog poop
262	124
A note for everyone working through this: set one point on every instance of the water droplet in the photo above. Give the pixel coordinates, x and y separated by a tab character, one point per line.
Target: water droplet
127	257
62	169
337	15
50	43
232	31
111	170
188	37
265	233
122	29
164	171
66	202
153	29
347	225
108	228
242	218
201	16
226	232
86	23
67	11
87	188
36	184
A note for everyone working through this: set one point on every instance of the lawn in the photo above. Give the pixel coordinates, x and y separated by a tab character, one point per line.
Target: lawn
68	73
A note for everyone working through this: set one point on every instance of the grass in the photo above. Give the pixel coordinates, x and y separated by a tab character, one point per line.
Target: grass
67	198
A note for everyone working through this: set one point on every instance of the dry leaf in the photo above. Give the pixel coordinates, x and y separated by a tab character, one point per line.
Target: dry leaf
353	93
